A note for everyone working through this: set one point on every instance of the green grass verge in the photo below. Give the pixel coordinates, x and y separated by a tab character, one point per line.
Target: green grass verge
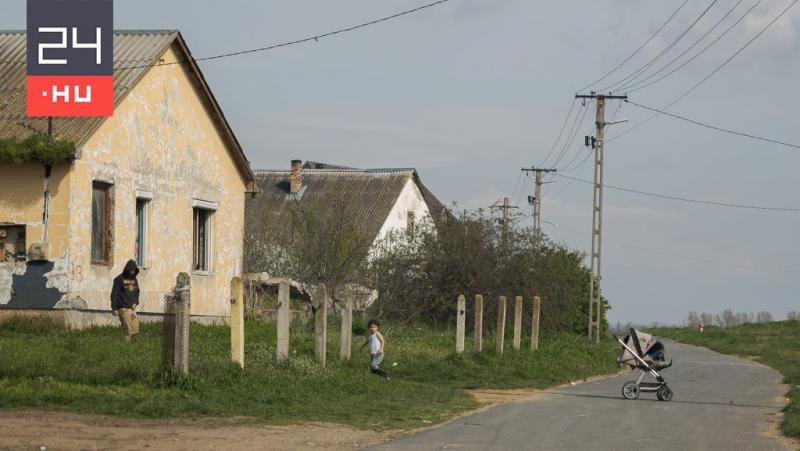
774	344
93	371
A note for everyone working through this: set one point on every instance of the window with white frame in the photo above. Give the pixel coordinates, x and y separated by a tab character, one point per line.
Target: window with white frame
201	245
142	230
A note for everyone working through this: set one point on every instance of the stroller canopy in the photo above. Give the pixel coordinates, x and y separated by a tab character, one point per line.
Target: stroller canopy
646	345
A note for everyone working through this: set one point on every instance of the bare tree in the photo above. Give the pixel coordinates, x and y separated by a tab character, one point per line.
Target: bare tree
764	317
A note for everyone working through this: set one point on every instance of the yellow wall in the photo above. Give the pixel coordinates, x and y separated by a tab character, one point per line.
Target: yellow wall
161	139
22	199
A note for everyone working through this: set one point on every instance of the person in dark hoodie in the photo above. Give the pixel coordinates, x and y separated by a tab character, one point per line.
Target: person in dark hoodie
125	299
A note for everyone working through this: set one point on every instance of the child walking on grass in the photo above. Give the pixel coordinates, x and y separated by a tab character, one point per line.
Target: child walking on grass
376	346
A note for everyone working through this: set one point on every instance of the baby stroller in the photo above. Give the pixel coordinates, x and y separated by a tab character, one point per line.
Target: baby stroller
643	351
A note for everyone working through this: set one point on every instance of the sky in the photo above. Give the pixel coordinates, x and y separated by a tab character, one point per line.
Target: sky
470	91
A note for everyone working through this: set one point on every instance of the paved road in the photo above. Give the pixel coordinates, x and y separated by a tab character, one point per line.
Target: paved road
720	402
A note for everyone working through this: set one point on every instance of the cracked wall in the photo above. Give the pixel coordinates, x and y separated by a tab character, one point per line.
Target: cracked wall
161	140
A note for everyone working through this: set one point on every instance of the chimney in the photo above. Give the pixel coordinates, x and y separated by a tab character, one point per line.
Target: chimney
296	177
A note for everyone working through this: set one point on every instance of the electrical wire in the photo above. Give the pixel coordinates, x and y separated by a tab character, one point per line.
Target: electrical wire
724	130
669	47
628	87
717	69
684	199
685	257
566	119
697	54
573	134
314	38
637	50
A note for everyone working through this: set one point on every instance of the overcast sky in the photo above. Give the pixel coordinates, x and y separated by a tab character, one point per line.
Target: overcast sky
470	91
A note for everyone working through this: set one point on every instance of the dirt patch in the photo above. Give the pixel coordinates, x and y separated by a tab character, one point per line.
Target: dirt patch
38	430
488	397
773	429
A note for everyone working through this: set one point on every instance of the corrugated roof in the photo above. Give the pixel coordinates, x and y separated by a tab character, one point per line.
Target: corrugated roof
134	52
367	197
131	49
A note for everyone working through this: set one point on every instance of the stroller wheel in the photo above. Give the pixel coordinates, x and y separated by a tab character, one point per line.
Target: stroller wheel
630	390
664	394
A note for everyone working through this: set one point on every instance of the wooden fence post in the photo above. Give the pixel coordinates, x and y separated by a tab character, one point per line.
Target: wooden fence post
283	320
535	323
346	334
237	321
478	337
517	322
500	333
461	313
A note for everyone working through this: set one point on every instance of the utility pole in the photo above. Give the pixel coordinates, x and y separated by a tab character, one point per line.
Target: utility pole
595	309
536	200
505	226
504	223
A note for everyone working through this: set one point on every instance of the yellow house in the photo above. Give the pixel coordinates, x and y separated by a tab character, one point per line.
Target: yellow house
162	182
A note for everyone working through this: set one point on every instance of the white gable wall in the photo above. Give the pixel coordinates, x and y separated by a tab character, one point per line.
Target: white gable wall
410	200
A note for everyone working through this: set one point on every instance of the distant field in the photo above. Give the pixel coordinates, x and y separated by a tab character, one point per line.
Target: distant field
93	371
773	344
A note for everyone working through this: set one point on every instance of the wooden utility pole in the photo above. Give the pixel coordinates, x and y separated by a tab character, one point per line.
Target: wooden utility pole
536	200
595	309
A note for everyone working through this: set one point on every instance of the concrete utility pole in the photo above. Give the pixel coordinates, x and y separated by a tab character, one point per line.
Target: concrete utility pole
595	310
536	201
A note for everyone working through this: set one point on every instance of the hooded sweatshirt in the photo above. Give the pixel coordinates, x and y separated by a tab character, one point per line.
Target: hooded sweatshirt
125	292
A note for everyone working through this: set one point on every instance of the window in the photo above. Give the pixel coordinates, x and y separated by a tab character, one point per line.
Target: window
102	222
141	232
410	223
202	240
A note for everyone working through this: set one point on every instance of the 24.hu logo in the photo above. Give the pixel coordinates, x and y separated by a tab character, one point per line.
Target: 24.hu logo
70	58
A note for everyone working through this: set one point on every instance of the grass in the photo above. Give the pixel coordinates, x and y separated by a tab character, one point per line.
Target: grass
774	344
93	371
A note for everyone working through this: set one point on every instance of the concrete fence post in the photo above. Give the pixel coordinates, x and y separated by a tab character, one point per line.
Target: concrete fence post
346	334
500	333
321	324
517	322
461	313
535	323
283	320
478	333
237	321
183	305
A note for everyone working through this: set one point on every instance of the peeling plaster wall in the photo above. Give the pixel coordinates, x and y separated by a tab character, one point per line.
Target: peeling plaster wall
22	202
409	200
161	139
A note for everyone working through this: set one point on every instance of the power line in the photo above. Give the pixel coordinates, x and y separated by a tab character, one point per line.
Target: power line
718	68
683	199
637	50
566	119
686	257
710	44
724	130
314	38
573	134
669	47
627	87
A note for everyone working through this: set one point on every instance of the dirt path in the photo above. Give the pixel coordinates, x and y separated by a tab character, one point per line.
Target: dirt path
38	430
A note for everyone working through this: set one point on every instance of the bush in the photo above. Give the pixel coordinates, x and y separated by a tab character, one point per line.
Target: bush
419	275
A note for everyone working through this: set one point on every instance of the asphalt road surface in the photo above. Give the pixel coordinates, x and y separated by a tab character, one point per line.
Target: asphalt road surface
720	402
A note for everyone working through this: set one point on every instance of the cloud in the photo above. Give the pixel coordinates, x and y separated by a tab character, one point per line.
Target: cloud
782	31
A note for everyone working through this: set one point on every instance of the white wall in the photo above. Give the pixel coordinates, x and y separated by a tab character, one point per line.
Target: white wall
410	199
